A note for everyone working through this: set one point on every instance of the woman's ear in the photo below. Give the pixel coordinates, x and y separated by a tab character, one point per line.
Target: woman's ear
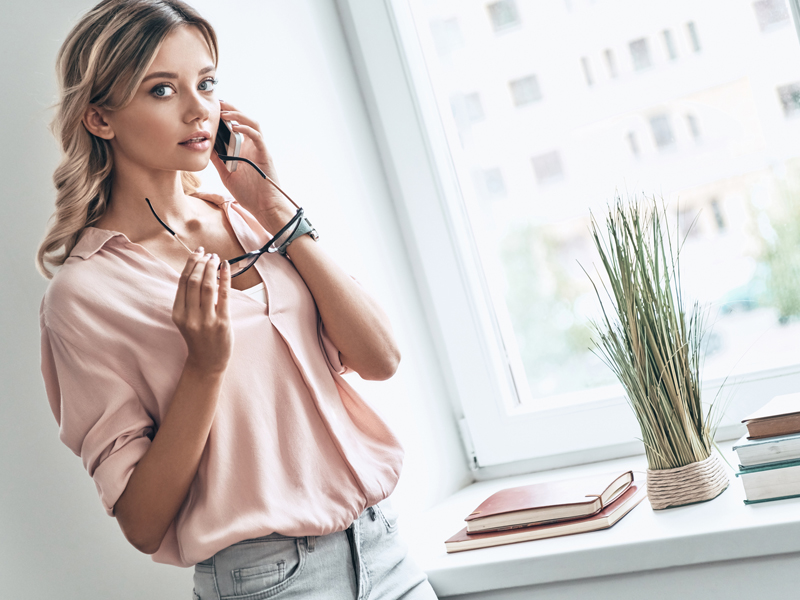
96	124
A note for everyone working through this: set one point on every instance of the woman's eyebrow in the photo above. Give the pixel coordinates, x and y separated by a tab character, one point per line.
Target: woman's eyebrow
168	75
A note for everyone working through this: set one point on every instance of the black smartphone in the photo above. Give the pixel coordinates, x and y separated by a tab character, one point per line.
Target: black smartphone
228	143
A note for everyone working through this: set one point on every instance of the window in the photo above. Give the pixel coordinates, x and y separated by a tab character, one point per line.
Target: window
525	90
790	99
632	143
503	14
467	109
693	37
771	13
611	62
669	42
694	128
494	185
662	131
640	53
508	300
547	167
446	35
587	71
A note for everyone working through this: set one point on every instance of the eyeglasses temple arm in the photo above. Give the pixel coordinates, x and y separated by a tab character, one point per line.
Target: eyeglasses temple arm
175	235
260	172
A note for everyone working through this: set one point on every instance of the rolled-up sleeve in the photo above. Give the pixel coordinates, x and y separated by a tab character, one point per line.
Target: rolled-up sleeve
99	414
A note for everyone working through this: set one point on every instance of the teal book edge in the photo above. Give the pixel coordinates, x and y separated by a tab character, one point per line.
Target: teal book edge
768	466
771	499
743	442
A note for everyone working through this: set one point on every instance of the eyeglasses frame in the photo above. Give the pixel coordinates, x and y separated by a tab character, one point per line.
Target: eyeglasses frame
271	245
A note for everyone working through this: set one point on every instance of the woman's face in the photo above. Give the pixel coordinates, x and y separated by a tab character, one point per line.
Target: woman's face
174	102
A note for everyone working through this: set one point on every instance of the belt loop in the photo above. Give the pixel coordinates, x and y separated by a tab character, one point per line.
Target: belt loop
311	542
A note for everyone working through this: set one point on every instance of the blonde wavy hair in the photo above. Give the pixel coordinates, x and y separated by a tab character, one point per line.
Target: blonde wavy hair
102	62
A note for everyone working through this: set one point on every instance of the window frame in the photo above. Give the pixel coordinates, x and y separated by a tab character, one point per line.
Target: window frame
484	380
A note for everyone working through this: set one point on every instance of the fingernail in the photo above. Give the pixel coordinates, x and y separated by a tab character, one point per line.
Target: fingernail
215	257
199	250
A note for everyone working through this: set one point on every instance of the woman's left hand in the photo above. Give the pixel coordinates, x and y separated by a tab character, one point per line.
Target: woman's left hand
252	191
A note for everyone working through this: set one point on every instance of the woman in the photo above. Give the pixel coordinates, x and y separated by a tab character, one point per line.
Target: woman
206	399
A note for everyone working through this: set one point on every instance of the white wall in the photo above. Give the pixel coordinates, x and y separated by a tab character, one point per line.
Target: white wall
286	64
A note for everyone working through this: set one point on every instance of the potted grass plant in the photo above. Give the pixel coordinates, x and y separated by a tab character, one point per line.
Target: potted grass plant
654	347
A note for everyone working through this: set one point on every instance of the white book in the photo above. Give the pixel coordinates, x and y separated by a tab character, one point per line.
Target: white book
768	450
771	482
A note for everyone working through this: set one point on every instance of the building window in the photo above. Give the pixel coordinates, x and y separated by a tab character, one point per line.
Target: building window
771	13
695	39
694	127
446	36
587	71
547	167
525	90
669	42
634	145
611	62
640	53
662	131
493	183
503	14
467	109
790	99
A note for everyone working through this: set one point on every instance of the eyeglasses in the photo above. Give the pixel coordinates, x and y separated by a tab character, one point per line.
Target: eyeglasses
242	263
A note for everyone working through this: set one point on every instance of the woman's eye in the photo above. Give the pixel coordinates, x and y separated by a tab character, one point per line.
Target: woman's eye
161	91
211	81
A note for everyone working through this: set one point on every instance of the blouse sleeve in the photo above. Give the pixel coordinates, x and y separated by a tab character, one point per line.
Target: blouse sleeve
99	414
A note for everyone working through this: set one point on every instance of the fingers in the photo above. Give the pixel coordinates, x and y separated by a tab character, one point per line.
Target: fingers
180	296
195	283
223	309
208	288
242	119
254	135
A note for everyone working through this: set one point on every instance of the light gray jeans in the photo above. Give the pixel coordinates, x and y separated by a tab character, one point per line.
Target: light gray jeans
366	561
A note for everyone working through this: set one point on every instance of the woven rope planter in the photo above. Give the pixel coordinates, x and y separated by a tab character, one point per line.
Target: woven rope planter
696	482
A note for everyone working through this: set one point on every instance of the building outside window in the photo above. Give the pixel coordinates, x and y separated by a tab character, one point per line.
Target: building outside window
467	109
568	158
640	54
503	14
525	90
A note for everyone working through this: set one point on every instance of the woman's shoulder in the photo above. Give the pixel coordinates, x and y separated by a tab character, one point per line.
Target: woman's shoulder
77	291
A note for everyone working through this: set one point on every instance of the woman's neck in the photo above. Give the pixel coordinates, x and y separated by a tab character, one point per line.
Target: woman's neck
127	210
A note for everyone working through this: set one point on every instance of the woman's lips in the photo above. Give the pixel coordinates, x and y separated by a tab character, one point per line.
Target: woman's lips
199	146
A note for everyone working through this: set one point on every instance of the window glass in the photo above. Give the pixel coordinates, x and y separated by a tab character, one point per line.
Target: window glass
640	54
503	14
641	105
771	13
525	90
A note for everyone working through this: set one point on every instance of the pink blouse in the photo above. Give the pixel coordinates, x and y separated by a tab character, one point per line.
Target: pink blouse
293	448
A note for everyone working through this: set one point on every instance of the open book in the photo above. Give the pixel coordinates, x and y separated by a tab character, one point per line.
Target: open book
602	520
548	501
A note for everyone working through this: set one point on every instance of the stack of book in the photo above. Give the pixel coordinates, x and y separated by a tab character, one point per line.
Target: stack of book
549	509
769	455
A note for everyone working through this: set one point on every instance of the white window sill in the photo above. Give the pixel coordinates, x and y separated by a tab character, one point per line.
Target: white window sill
720	530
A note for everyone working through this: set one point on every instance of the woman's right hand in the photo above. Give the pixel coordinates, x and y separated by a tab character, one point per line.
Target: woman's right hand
204	324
